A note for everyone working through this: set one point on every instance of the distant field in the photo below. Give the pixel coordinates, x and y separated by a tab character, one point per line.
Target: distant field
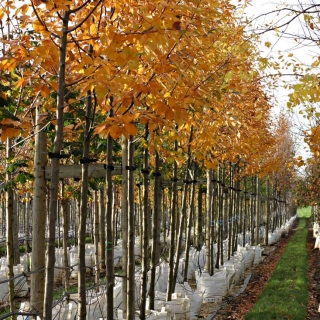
304	212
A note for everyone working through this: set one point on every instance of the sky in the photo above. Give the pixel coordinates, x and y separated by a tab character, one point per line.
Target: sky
281	47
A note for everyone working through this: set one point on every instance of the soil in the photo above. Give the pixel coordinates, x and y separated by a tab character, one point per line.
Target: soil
237	305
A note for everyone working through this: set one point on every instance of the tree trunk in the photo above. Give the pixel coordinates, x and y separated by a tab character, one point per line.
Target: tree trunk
15	228
28	209
209	219
268	213
189	224
155	249
102	228
96	237
215	217
173	212
82	311
55	163
124	223
131	258
258	210
65	224
183	212
252	210
199	224
231	206
109	234
9	228
39	208
145	231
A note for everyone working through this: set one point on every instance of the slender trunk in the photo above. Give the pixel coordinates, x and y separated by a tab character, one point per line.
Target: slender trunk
9	228
236	213
230	217
39	208
214	218
65	221
183	213
82	311
164	218
155	250
258	210
96	237
199	232
268	213
219	214
173	212
208	219
252	209
109	234
124	223
15	228
145	229
27	221
131	258
245	217
102	230
55	163
224	208
189	223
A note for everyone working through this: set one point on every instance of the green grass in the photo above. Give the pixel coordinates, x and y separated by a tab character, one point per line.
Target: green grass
304	212
285	295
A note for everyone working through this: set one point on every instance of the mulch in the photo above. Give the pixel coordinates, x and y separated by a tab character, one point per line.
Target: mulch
237	308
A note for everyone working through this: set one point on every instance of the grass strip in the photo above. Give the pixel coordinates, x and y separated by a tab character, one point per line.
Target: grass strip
286	294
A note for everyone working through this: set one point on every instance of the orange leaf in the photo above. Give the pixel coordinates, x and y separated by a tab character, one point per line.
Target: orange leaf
45	91
9	133
115	131
131	129
54	85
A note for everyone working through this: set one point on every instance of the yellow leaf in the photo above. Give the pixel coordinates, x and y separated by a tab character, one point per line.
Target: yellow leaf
37	26
93	29
20	83
267	44
24	8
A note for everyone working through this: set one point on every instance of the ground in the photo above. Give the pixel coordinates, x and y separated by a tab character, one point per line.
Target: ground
237	307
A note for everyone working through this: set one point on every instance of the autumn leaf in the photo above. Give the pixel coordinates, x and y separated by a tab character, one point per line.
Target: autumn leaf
115	131
45	91
131	129
9	133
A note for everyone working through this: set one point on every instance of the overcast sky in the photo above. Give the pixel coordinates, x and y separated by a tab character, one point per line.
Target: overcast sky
280	46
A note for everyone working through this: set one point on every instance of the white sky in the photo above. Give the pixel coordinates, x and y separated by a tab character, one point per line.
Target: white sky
281	46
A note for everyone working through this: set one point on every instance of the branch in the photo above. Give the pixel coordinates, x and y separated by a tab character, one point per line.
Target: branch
41	21
297	12
85	19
